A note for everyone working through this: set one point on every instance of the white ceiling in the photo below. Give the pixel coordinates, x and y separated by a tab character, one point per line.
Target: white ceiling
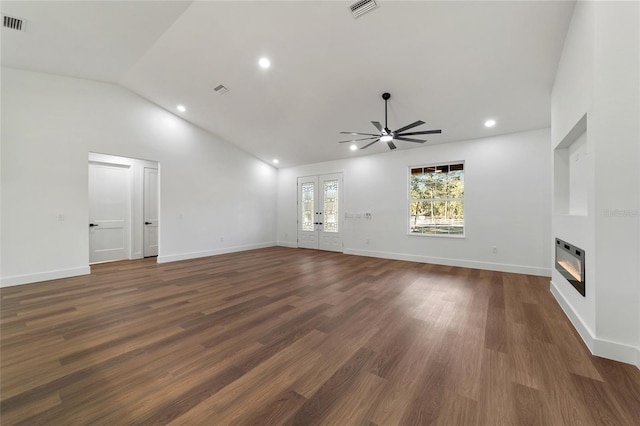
452	64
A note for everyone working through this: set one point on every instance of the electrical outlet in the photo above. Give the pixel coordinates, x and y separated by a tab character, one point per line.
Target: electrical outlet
222	239
495	250
367	241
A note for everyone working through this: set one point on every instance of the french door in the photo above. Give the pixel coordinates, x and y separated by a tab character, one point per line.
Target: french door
319	211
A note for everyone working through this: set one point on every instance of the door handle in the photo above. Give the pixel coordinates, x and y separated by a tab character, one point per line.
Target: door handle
91	225
148	223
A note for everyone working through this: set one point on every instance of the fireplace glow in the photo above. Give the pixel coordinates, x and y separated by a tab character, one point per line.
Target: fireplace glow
570	269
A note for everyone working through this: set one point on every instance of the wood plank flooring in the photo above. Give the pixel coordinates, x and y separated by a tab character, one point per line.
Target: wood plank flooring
300	337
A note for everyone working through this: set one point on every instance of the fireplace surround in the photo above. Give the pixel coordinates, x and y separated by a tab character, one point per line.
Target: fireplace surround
570	264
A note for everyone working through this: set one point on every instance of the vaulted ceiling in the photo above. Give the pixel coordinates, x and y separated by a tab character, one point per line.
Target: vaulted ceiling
452	64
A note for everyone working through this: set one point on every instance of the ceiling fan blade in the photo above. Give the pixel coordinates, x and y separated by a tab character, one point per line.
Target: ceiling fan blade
392	146
359	134
363	139
426	132
378	125
400	138
369	144
410	126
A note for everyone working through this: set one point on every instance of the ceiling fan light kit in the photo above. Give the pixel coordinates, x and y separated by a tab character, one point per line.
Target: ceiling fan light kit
388	136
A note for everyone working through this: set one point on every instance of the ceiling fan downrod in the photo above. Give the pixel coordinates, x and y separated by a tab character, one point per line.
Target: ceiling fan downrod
386	97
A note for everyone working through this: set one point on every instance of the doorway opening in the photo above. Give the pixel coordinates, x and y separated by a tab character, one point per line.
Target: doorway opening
124	206
319	212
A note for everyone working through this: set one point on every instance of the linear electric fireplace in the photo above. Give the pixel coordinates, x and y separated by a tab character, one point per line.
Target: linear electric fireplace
570	263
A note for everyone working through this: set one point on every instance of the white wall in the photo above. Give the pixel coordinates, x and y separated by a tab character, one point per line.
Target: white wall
616	128
599	75
507	203
209	188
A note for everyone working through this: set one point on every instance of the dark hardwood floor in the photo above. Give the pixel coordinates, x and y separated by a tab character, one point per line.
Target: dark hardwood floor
286	336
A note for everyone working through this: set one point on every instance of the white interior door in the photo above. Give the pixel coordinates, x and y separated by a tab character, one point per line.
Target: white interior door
151	208
109	195
319	209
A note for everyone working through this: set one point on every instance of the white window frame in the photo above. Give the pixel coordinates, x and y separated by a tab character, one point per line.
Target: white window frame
410	200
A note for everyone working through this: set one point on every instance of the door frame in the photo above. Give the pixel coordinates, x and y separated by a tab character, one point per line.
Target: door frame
319	233
136	217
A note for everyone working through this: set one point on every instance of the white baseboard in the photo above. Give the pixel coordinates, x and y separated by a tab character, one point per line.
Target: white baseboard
286	244
44	276
86	270
616	351
599	347
583	330
501	267
206	253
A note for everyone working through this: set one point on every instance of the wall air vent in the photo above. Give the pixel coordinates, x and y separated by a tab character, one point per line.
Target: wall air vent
361	7
13	23
220	90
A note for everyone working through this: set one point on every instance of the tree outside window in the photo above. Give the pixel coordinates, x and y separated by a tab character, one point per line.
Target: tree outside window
437	200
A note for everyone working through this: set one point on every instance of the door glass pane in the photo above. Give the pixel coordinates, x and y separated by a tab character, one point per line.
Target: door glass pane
330	206
307	206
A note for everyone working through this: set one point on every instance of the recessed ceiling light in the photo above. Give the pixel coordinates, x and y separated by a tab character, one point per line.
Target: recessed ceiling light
490	123
275	161
181	108
264	63
353	147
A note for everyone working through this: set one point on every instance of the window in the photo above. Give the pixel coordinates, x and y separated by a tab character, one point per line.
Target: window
436	205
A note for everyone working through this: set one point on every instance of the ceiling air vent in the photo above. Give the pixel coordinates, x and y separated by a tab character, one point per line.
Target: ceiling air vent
13	23
220	90
361	7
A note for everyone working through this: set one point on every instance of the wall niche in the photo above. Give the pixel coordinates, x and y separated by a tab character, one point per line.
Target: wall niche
571	172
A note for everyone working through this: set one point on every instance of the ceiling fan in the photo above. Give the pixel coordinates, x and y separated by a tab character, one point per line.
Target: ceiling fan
387	135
